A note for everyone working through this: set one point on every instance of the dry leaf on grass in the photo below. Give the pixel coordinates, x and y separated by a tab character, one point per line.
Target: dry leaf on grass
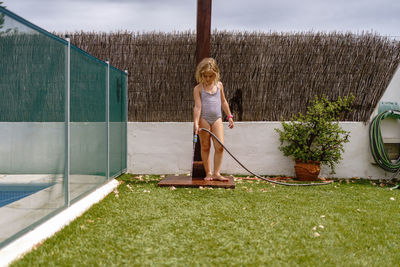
129	187
116	193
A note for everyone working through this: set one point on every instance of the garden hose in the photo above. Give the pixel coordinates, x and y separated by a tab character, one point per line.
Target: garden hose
258	176
377	146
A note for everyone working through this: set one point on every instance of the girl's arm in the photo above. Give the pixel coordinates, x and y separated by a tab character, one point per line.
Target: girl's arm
196	109
225	106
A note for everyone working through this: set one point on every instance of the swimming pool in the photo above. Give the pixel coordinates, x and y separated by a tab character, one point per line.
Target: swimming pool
13	192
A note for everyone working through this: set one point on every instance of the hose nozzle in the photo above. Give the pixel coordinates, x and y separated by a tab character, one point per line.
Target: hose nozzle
195	138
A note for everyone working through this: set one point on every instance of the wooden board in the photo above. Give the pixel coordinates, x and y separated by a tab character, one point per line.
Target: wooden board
188	181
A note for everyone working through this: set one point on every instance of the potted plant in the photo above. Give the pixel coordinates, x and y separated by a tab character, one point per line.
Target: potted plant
315	138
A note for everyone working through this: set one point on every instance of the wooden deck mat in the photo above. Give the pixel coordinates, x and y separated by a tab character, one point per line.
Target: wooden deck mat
188	181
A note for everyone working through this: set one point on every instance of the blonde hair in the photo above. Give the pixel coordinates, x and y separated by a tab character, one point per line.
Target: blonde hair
207	65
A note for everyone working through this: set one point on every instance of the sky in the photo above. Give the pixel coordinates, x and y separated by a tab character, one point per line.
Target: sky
376	16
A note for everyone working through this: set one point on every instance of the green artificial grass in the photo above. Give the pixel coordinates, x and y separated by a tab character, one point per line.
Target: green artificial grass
353	223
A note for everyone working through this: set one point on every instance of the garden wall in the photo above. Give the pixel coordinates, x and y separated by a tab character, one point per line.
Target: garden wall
392	92
45	152
166	148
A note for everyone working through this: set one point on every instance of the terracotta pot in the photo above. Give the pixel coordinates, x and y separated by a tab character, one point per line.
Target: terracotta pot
307	171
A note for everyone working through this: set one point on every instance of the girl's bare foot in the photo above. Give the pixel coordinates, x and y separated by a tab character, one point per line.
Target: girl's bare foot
209	177
219	177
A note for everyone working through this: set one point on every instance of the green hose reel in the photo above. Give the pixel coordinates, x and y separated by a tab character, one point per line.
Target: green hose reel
385	110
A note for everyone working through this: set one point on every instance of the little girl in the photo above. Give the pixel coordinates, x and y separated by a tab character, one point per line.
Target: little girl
209	98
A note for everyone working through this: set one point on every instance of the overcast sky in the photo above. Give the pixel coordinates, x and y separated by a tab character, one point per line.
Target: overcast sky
378	16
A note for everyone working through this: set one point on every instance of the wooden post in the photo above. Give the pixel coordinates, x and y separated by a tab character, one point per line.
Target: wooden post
203	34
203	31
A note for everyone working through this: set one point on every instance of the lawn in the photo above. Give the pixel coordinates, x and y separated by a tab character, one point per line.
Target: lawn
351	223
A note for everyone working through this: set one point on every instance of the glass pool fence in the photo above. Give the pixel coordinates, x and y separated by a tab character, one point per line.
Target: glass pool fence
63	124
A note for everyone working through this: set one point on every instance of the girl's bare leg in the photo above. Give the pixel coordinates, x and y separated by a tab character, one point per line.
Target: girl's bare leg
218	129
205	148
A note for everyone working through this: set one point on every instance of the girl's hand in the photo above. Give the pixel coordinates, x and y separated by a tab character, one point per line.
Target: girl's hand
196	128
231	124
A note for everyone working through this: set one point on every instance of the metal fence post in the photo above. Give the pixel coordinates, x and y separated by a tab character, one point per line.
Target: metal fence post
68	127
126	122
108	117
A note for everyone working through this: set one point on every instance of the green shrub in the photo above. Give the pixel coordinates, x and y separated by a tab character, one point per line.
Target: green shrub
316	136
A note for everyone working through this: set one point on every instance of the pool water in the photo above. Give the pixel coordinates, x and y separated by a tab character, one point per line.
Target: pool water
13	192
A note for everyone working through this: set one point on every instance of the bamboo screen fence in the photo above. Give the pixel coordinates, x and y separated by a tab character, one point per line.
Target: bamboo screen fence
266	76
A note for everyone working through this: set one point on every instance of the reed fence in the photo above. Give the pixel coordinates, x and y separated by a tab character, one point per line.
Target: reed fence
266	76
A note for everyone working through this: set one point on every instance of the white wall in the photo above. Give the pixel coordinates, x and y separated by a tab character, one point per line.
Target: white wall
392	93
32	147
40	147
166	148
159	148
